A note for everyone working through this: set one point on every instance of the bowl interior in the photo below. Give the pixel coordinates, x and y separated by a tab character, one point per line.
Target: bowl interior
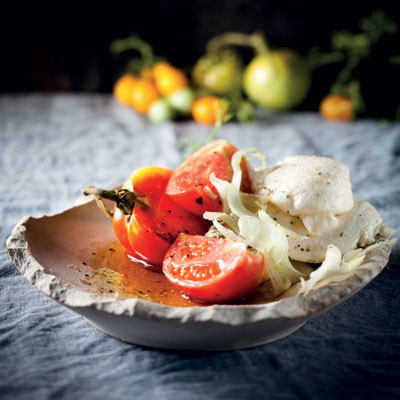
64	244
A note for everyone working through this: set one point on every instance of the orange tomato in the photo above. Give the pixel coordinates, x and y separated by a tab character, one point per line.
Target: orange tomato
168	79
147	74
207	109
123	88
337	107
144	94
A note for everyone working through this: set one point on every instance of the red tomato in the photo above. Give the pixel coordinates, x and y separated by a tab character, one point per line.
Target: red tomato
190	185
119	225
213	270
151	224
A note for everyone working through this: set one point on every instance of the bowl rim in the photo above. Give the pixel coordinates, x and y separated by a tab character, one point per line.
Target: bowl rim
73	296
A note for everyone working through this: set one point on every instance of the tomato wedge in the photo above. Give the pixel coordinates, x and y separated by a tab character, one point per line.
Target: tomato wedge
213	270
190	184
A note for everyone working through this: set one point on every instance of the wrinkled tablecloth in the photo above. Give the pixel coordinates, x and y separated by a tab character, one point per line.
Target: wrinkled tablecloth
53	145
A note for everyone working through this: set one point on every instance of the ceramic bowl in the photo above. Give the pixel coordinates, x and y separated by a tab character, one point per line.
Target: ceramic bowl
47	251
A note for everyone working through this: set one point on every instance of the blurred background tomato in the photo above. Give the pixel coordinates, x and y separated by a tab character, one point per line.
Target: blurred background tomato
64	45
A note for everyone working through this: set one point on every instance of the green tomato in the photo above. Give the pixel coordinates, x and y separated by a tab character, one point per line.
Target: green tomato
219	74
182	100
160	111
278	80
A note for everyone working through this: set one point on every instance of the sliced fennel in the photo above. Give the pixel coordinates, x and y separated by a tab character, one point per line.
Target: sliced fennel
253	227
244	220
335	268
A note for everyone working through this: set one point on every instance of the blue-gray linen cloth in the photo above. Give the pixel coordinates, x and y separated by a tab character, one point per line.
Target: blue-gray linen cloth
51	146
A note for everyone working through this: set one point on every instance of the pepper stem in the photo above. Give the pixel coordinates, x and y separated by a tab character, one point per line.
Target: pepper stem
255	40
124	199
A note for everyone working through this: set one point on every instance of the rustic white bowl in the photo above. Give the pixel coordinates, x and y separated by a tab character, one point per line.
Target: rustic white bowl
48	250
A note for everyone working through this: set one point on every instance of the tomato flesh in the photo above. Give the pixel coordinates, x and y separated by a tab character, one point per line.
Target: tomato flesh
213	270
190	185
156	220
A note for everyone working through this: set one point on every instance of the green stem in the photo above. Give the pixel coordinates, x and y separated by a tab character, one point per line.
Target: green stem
323	59
124	199
346	73
394	60
134	43
256	41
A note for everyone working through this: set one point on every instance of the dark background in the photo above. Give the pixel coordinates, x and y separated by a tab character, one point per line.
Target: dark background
64	45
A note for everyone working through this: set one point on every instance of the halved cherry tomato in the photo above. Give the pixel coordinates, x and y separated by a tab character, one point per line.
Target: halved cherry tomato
206	110
213	270
123	88
337	107
146	221
168	78
144	94
190	184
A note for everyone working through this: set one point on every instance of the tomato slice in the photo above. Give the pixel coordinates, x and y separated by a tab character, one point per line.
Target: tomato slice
213	270
190	184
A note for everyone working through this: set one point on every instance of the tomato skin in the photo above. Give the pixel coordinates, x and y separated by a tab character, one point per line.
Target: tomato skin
337	107
120	223
160	111
190	185
146	73
279	80
155	222
168	79
144	94
123	88
182	100
220	74
213	270
207	109
120	220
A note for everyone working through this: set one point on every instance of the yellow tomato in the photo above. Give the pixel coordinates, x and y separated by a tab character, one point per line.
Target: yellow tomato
144	94
220	74
123	88
147	74
278	80
168	79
